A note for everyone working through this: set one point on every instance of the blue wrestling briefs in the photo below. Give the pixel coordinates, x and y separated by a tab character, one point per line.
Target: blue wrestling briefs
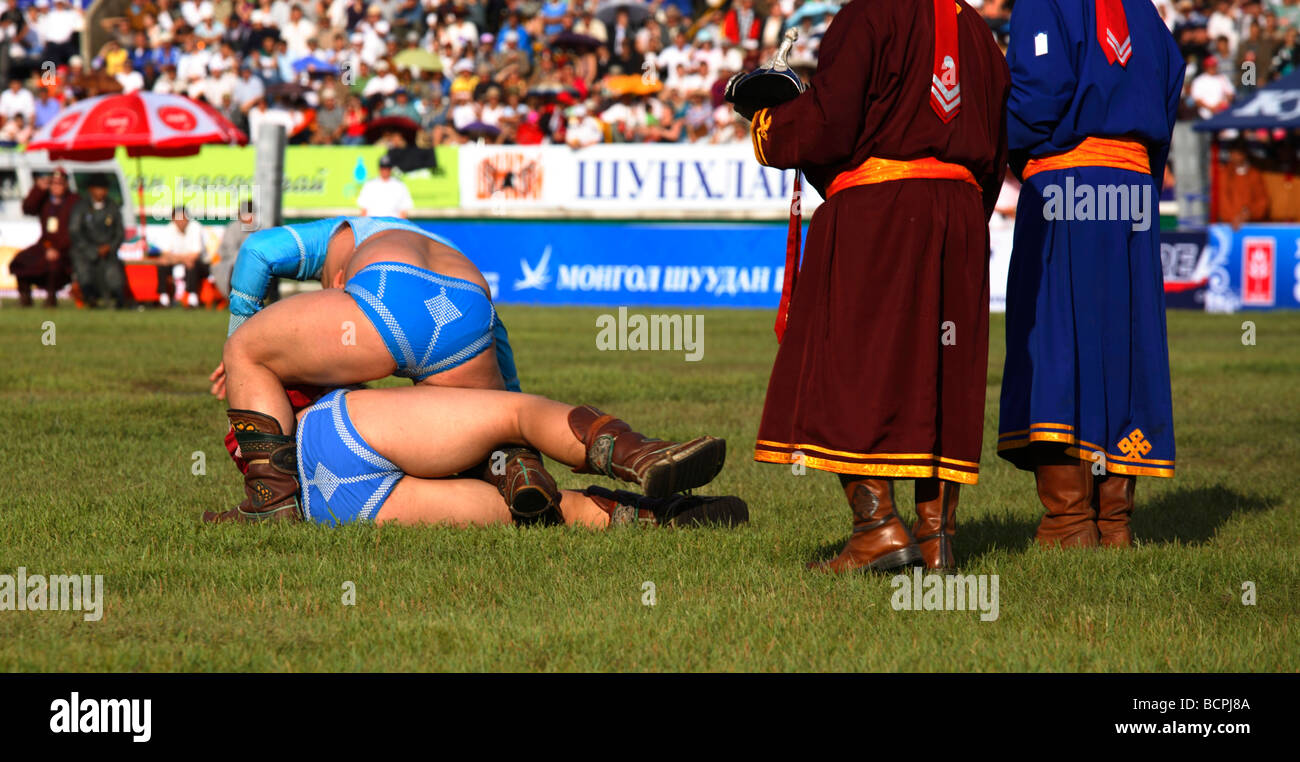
429	322
343	479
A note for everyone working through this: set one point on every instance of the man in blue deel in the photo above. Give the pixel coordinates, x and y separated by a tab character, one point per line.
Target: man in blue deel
1085	395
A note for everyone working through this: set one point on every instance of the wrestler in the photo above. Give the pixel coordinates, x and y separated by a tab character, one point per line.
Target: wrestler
398	300
385	455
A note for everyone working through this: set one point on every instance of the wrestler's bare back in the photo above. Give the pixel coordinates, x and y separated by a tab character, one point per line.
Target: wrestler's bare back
344	259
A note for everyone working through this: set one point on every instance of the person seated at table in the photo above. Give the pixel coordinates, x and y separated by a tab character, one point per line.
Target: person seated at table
182	256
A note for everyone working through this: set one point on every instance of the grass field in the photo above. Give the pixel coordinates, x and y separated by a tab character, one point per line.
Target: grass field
96	466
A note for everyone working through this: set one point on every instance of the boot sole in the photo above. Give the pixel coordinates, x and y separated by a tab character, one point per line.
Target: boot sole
685	469
534	505
898	559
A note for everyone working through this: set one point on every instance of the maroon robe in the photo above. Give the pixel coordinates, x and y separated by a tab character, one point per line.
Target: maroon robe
30	264
884	362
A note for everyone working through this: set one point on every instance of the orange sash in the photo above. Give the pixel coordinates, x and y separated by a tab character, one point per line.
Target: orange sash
1095	152
875	170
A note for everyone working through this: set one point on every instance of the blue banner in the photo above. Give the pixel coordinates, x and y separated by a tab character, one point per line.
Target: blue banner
1256	267
609	264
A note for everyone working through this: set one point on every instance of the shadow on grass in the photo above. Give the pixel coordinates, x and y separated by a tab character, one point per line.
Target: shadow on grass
1189	516
1192	516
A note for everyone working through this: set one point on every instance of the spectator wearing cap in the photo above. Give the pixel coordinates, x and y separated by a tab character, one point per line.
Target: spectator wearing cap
509	59
385	196
328	129
96	230
1211	91
383	84
209	29
521	40
46	264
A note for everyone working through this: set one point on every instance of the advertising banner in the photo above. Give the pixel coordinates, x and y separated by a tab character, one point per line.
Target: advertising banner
689	264
315	177
633	180
1256	267
1185	257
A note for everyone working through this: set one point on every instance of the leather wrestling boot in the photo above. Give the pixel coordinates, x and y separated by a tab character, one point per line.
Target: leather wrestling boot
1113	499
523	481
629	508
1065	490
880	541
659	467
936	522
271	481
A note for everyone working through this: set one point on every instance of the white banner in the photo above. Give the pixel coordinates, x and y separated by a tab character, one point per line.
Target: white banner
626	179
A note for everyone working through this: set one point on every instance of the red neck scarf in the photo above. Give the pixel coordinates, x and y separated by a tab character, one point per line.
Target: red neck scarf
945	87
1112	31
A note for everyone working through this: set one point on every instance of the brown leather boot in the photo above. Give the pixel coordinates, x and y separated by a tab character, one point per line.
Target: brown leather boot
529	491
880	541
936	522
1065	489
271	481
1113	499
659	467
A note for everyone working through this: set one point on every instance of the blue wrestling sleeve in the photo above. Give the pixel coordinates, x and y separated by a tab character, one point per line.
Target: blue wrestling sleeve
288	251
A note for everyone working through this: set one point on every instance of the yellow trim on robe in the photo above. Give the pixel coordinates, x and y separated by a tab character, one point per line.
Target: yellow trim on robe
869	456
870	469
1121	464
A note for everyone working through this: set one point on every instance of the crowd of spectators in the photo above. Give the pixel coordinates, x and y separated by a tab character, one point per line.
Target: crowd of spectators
421	73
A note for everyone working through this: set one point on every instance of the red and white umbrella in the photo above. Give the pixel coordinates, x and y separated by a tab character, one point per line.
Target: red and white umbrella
144	123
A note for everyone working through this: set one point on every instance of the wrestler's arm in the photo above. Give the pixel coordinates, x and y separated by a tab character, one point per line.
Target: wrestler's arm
822	126
288	251
1043	79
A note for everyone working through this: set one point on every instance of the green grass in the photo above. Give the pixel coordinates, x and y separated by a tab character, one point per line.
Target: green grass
96	462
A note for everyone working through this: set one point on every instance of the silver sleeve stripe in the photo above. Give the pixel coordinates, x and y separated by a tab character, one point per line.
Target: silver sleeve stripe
245	296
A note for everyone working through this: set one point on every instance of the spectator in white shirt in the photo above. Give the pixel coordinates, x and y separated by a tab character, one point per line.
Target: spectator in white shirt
297	32
1212	92
385	196
17	100
130	79
184	259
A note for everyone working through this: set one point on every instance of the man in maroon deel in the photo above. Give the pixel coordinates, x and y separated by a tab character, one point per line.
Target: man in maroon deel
882	367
